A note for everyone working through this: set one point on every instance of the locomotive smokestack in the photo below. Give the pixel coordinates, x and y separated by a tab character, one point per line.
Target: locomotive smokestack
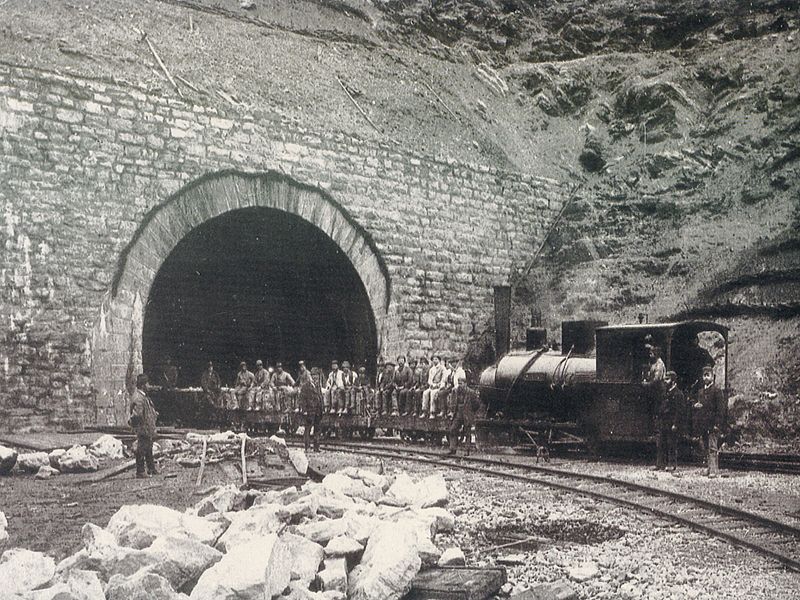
502	319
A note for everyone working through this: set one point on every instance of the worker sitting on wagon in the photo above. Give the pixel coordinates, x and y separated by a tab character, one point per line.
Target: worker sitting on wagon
669	423
260	384
403	381
211	385
334	390
362	393
242	386
459	378
708	419
284	389
435	381
420	384
440	399
348	381
387	401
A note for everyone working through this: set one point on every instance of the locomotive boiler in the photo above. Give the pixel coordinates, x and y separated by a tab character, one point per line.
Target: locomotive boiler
592	388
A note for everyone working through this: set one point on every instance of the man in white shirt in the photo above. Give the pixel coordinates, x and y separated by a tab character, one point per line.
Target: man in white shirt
434	383
335	389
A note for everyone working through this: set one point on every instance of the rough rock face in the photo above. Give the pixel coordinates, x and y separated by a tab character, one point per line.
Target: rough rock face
3	527
390	562
137	526
32	461
22	570
141	586
77	460
8	458
107	446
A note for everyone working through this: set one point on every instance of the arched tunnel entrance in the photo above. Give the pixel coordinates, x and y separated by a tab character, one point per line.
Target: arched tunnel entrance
256	283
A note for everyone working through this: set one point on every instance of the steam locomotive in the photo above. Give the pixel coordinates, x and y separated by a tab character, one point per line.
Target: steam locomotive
589	393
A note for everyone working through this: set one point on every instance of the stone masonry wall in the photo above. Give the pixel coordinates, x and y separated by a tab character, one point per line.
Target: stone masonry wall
84	160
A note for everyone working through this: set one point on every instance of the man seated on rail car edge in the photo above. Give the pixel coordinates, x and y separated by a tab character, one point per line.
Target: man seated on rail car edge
440	399
260	385
708	419
242	385
211	386
459	381
435	381
387	401
348	381
284	389
420	385
403	381
362	392
409	407
334	390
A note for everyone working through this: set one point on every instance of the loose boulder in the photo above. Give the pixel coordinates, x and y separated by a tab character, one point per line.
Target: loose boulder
8	458
452	557
225	499
306	557
258	570
31	462
431	491
78	585
389	564
55	456
22	570
333	576
107	446
143	585
250	524
3	527
46	472
178	558
138	525
77	460
344	546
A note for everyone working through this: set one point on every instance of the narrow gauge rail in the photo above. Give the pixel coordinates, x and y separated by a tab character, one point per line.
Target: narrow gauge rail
766	536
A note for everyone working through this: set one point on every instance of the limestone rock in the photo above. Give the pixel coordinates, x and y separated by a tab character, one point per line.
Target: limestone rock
141	586
332	504
3	527
138	525
305	507
46	472
368	477
452	557
323	531
299	460
342	484
107	446
431	491
258	570
389	564
443	520
79	585
77	460
8	458
360	526
32	461
583	572
250	524
403	492
225	499
178	558
104	555
55	456
22	570
333	575
560	590
343	545
306	557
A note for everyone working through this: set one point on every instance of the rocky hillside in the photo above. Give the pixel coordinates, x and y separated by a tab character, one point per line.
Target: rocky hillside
678	122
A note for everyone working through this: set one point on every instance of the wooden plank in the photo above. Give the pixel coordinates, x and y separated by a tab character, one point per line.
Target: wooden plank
457	583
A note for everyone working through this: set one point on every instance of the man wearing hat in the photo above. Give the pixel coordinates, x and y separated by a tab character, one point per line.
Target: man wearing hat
668	422
420	385
335	390
242	385
403	381
309	402
363	392
653	380
284	388
435	381
387	401
260	384
709	415
348	393
143	422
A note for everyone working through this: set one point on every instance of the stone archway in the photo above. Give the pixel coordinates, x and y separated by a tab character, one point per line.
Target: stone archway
165	231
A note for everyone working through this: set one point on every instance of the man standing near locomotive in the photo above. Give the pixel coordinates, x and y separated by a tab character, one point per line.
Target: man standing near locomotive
459	381
466	405
242	386
669	422
143	422
653	381
708	419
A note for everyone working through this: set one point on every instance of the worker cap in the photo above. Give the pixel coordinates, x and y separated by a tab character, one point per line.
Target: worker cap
259	363
335	362
141	380
413	361
345	365
708	370
362	369
242	364
301	363
671	375
279	365
210	364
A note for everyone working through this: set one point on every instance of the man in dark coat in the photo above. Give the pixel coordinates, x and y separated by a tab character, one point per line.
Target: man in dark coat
143	422
211	385
668	422
709	415
403	382
261	379
386	390
243	385
309	402
420	385
467	403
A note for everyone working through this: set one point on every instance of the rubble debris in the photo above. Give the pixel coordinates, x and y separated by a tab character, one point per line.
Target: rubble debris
46	472
306	557
137	526
78	460
333	576
8	458
22	570
142	585
3	527
78	585
343	546
31	462
107	446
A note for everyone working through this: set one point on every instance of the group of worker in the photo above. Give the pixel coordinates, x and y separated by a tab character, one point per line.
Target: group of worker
676	416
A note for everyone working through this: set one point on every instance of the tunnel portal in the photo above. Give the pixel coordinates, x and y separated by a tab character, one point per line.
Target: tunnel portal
256	283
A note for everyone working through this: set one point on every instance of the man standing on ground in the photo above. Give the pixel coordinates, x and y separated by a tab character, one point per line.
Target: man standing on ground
143	422
668	423
211	385
309	402
708	418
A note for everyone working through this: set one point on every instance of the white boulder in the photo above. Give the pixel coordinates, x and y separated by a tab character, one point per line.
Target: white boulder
299	460
55	456
77	460
431	491
107	446
143	585
324	530
306	557
178	558
452	557
402	492
8	458
250	524
3	527
389	564
225	499
102	554
333	576
344	546
46	472
258	570
78	585
583	572
22	570
139	524
31	462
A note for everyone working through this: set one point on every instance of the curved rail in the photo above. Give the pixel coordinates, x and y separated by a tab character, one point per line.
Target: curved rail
766	536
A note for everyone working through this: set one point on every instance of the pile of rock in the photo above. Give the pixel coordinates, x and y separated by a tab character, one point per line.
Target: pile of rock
357	534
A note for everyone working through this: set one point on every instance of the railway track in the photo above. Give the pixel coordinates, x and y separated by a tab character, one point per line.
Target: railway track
766	536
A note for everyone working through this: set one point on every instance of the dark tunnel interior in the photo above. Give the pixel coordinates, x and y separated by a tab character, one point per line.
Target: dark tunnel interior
255	283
